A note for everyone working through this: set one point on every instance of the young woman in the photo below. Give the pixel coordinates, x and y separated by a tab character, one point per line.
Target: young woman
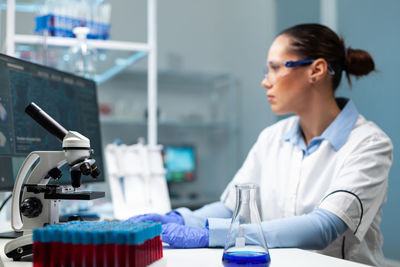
322	173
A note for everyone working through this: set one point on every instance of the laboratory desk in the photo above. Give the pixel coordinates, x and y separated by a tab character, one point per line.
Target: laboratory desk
212	257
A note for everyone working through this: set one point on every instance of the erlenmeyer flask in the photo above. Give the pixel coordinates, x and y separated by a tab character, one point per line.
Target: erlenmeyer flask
81	58
245	244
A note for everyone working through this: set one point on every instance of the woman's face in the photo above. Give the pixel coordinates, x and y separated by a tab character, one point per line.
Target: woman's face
287	88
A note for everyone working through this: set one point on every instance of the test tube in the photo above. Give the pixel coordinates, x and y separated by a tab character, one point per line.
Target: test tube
56	244
99	247
110	248
66	240
88	247
38	248
47	259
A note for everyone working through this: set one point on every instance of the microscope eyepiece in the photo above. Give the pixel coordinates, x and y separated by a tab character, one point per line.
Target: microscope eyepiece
46	121
75	142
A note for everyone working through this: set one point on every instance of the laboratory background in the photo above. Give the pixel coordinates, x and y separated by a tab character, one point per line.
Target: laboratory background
210	62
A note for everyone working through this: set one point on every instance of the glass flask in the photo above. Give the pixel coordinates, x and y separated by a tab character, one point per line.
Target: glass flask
81	59
245	244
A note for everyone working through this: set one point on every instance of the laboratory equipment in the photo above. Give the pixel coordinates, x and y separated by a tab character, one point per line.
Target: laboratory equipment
98	244
71	100
137	180
38	204
81	58
212	136
59	18
245	244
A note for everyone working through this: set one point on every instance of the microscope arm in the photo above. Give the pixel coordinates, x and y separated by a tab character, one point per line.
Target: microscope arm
47	161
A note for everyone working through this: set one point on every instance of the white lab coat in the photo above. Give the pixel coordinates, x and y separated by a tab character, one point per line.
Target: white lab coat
351	183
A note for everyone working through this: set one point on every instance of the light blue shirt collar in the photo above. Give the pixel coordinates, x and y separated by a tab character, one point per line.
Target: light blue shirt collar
336	133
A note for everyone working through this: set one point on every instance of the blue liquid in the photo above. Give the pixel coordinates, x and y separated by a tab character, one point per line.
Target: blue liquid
246	258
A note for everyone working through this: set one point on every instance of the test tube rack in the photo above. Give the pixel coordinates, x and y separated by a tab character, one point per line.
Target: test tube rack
97	244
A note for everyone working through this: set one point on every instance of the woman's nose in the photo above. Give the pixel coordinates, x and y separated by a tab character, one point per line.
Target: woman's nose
266	83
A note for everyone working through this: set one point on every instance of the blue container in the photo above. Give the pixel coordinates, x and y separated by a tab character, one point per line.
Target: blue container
246	258
62	26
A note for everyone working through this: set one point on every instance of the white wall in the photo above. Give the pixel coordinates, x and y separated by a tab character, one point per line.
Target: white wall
375	28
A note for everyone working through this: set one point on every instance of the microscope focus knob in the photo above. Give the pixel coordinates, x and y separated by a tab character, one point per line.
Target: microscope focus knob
95	171
55	173
31	207
85	168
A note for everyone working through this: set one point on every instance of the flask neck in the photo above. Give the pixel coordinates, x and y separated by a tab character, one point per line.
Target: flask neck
246	195
81	37
246	210
81	33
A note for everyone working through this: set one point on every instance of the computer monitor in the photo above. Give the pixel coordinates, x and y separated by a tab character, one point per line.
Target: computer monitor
180	163
69	99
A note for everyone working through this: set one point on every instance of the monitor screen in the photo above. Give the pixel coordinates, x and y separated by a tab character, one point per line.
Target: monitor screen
69	99
179	162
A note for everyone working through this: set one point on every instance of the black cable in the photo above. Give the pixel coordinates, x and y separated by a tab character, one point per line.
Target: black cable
5	202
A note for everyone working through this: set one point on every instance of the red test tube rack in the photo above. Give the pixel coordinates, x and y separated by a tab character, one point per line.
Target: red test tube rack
97	244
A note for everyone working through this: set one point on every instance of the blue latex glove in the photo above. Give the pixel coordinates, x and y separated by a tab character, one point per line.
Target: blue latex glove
170	217
181	236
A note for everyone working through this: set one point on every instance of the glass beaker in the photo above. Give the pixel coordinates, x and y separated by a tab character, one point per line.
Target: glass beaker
245	244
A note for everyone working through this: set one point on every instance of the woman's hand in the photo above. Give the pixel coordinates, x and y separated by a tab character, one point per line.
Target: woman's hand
181	236
170	217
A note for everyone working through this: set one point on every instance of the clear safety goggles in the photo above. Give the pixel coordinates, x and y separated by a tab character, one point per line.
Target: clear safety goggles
275	70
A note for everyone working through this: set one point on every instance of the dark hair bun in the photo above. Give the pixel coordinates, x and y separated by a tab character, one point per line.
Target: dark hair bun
358	62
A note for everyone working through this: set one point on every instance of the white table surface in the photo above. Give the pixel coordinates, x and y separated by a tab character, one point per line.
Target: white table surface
212	257
209	257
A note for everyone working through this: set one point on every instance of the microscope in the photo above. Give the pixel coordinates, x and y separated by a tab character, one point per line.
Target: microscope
36	203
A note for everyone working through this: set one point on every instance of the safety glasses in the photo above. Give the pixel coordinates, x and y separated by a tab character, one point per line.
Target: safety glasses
276	69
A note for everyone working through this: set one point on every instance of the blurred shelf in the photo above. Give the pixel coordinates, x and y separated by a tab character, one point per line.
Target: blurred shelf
136	50
110	62
199	109
68	42
128	122
24	7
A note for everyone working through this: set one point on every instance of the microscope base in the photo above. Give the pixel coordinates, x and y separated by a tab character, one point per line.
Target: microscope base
19	248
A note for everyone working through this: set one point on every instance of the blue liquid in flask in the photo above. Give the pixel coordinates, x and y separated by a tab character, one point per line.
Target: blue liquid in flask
246	258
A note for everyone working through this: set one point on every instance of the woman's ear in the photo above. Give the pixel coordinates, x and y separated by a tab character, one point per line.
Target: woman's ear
319	68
